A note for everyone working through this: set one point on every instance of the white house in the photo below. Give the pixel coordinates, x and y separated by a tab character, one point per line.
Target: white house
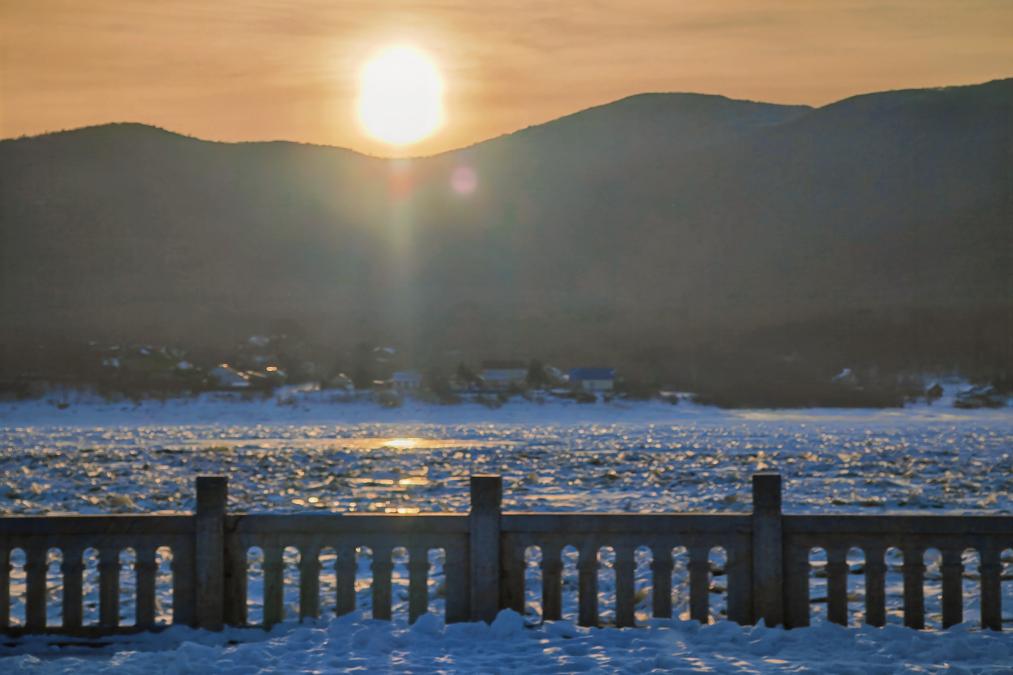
593	379
341	381
503	375
406	380
226	377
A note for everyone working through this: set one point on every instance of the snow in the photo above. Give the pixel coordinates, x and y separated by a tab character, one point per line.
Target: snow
356	644
301	450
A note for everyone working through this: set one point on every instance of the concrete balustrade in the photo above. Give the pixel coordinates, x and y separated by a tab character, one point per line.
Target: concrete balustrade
767	564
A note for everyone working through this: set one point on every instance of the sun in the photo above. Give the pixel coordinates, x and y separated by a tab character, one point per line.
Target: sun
400	96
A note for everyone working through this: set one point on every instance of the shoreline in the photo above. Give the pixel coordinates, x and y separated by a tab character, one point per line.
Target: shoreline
290	405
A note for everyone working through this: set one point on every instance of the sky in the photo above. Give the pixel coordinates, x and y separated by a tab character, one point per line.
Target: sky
289	69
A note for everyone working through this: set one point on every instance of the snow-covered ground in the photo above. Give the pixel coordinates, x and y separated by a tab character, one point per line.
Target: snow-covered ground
356	644
300	450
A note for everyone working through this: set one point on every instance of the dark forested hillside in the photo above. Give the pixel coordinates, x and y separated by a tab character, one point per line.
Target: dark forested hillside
665	229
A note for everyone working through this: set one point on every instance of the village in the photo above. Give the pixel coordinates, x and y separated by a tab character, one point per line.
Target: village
261	364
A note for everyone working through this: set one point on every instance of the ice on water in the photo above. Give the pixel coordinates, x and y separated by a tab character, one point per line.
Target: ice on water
95	457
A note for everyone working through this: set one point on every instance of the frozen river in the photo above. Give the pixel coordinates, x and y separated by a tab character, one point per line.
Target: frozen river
303	452
635	457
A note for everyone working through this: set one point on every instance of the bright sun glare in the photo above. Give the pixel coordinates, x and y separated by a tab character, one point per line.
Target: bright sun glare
400	96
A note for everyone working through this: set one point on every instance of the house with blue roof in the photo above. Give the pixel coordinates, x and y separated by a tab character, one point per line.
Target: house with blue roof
593	379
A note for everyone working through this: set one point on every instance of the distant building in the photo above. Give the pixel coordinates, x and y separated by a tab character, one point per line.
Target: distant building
846	377
593	379
503	375
225	376
340	381
406	380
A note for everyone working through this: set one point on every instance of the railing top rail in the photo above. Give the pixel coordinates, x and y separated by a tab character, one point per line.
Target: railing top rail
895	523
347	523
624	523
96	525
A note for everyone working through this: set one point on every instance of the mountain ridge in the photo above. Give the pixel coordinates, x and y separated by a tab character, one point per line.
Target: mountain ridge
638	228
673	95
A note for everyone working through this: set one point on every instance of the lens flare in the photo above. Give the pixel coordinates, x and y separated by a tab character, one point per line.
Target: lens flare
464	180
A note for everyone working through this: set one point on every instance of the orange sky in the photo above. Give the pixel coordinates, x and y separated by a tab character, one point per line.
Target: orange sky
287	69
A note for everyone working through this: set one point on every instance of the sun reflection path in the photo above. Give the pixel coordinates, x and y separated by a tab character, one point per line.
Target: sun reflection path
402	443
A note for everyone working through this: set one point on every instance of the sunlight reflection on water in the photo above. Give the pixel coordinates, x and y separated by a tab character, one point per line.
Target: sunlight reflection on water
829	465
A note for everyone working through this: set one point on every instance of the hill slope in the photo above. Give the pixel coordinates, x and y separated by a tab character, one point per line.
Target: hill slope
662	222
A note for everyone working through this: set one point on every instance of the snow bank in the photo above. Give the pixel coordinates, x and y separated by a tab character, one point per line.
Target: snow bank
355	644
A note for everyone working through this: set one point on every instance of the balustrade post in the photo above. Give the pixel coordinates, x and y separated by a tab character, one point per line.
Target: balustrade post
5	588
484	546
989	569
109	587
209	551
72	568
552	582
147	570
914	587
768	563
661	576
36	566
953	592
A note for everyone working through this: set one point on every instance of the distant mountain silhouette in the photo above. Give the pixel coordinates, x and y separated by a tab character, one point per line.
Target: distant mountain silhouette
662	223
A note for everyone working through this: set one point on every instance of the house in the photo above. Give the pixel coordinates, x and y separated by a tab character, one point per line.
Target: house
225	376
845	377
340	381
406	380
504	375
593	379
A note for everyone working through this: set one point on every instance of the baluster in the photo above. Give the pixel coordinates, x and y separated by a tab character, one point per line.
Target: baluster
796	585
875	586
274	586
5	588
382	568
552	582
512	586
455	571
109	587
740	583
35	593
953	595
344	577
625	591
418	582
236	581
587	583
309	582
661	581
914	587
837	585
73	569
699	584
183	584
991	608
146	570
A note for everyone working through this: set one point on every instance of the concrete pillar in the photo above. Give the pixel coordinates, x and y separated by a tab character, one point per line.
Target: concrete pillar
209	549
768	563
484	546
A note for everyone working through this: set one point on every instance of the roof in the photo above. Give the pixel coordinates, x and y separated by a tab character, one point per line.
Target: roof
592	373
504	373
503	364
